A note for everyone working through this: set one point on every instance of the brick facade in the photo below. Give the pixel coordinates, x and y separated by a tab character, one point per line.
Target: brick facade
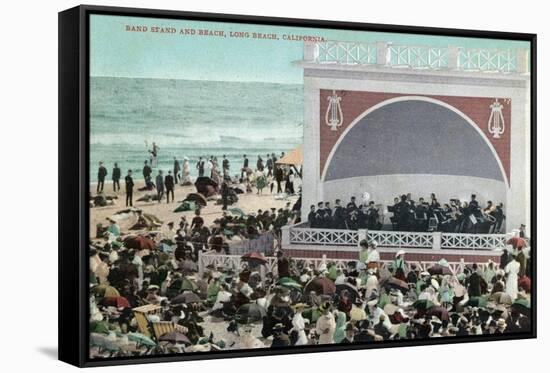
354	103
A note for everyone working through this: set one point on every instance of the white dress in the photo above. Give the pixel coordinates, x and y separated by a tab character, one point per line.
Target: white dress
512	270
298	325
325	328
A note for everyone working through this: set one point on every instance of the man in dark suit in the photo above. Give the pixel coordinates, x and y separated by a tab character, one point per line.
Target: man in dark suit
499	216
147	171
176	170
200	167
129	188
473	205
169	186
159	181
225	165
312	217
283	264
372	216
320	215
351	206
474	283
269	165
279	176
402	212
260	164
328	216
245	166
339	221
101	173
116	178
421	216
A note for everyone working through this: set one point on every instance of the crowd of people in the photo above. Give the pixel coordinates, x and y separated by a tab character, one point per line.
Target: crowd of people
409	215
293	303
277	178
258	303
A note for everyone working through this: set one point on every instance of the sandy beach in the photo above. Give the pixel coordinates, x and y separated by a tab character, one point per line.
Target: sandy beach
248	202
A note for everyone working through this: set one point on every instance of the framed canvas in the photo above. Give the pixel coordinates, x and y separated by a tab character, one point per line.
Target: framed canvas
236	186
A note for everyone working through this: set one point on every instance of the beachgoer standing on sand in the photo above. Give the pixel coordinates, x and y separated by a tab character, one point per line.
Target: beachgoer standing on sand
101	173
261	181
289	185
245	166
154	154
269	165
129	188
260	164
176	170
200	167
186	172
147	171
210	167
169	185
225	165
116	178
279	175
160	186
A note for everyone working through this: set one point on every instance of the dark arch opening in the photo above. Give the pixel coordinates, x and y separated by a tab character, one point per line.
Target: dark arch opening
413	137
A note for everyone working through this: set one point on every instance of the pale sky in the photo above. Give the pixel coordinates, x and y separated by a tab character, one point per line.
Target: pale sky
119	53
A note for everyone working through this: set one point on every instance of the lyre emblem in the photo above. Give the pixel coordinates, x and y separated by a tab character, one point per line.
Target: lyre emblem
334	117
496	125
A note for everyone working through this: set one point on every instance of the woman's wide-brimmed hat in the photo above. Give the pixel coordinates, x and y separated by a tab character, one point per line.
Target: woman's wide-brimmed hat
300	305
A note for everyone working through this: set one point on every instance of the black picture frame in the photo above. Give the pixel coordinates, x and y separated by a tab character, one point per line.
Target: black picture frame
74	178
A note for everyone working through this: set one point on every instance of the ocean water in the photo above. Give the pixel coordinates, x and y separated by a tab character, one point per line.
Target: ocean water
188	118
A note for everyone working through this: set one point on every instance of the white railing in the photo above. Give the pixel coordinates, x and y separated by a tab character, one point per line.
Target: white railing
420	240
418	57
472	241
489	60
301	235
235	263
346	53
316	236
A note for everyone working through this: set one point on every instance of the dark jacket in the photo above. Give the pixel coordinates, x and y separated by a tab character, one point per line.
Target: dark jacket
283	267
101	173
474	285
116	173
279	174
169	182
129	183
159	183
280	340
312	219
147	171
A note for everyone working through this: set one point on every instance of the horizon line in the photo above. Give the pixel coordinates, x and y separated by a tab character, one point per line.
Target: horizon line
195	80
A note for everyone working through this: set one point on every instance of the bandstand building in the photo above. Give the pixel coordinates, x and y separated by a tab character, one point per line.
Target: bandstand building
392	119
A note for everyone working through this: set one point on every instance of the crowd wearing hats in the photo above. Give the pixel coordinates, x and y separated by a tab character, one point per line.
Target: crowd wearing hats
295	303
